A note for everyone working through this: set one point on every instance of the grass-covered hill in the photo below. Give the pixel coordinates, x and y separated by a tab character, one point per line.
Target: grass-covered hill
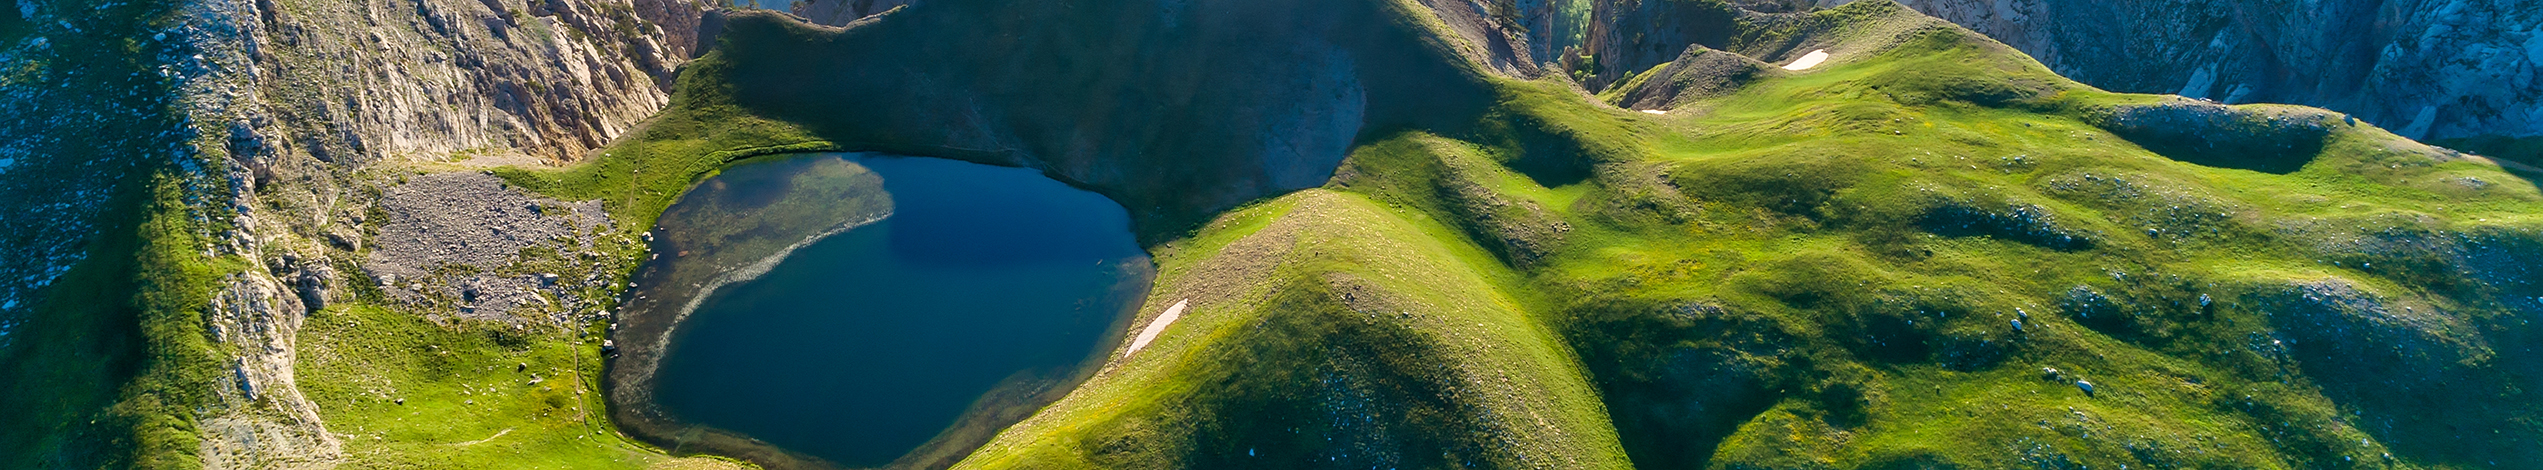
1930	252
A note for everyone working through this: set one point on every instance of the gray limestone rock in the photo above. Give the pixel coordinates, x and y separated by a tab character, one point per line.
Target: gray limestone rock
2426	68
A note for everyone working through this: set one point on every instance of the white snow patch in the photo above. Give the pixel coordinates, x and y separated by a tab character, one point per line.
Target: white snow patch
1157	326
2534	48
1809	60
2419	126
2201	82
1646	111
2235	94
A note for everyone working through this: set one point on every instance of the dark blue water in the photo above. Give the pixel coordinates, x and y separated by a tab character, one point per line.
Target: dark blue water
865	345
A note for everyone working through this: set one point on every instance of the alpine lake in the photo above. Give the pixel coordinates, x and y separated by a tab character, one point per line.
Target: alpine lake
861	311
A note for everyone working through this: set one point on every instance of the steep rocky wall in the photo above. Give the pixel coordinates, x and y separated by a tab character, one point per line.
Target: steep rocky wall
1627	37
2425	68
438	79
840	12
1223	101
2428	69
309	101
1510	38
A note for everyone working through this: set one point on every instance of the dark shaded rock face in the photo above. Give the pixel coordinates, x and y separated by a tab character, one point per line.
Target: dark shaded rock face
1111	95
2425	68
1628	36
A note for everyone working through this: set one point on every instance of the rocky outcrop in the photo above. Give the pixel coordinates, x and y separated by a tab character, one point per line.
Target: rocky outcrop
1700	72
2017	222
841	12
454	79
1624	39
1508	37
2425	68
260	419
2351	335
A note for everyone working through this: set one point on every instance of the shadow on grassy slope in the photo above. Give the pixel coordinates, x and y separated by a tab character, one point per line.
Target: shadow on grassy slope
2526	150
2258	138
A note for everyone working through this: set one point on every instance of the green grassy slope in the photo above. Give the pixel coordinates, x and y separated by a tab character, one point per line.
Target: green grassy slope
1826	270
1341	333
406	392
1871	264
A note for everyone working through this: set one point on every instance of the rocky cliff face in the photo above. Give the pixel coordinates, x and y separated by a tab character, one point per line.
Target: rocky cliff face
840	12
1223	101
2429	69
1604	41
277	115
1511	38
449	80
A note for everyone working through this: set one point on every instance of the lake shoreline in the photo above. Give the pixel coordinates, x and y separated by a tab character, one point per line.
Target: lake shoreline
656	307
631	372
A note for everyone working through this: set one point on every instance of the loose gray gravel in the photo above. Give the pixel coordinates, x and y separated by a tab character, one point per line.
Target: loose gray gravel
476	223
